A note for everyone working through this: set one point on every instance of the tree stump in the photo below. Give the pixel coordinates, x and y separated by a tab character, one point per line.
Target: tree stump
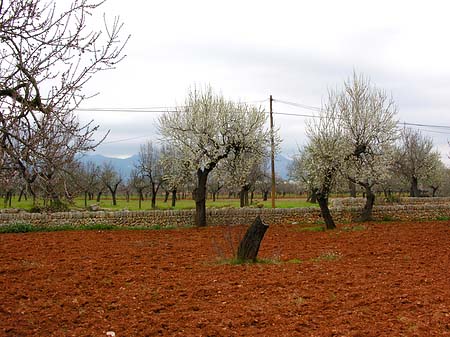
249	245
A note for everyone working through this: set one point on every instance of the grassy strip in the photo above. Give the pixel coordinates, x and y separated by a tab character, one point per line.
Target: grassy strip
133	205
20	227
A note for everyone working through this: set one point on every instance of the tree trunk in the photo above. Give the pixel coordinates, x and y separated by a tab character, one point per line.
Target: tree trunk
249	245
265	195
322	199
199	195
366	214
22	193
141	197
114	200
352	188
99	196
166	196
243	196
414	192
251	197
174	197
434	191
214	196
85	198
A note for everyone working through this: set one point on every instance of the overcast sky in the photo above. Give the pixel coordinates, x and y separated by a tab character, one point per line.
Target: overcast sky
293	50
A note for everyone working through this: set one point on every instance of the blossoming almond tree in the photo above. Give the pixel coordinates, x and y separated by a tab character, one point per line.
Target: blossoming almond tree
367	117
209	129
415	159
323	156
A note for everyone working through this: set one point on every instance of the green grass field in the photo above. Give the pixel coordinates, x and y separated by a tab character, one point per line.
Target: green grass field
181	204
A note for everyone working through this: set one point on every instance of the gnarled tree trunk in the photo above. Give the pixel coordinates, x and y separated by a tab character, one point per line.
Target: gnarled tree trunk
414	192
249	245
322	199
366	214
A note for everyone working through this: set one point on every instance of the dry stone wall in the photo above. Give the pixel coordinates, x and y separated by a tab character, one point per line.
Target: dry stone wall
227	216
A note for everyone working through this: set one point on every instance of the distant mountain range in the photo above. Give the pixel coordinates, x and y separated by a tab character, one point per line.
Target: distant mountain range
125	165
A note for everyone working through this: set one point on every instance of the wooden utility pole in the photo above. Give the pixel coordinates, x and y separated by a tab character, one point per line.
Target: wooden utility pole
272	151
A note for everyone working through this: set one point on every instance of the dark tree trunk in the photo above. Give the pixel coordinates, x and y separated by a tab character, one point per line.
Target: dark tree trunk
155	188
141	197
366	214
99	196
128	196
214	196
243	196
33	195
249	246
22	193
174	197
252	194
85	198
199	195
414	192
434	191
352	188
166	196
322	198
114	199
265	195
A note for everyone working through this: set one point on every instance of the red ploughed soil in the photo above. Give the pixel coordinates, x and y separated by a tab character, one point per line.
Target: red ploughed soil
389	279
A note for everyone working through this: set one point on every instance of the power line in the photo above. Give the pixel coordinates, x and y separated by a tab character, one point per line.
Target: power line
319	110
124	140
300	105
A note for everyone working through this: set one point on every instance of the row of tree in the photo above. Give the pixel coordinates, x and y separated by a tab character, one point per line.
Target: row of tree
356	139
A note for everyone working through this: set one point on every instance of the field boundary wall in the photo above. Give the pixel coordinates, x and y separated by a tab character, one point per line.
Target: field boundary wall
227	216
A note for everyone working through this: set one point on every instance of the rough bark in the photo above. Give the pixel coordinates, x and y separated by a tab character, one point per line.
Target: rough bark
249	245
243	196
141	197
434	191
414	192
366	214
174	197
352	188
199	195
322	199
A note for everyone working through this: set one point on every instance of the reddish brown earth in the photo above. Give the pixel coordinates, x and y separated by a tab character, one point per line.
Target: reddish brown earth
390	279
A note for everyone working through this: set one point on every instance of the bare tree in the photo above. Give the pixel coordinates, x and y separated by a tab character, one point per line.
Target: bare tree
139	182
47	55
111	179
88	180
209	129
150	166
